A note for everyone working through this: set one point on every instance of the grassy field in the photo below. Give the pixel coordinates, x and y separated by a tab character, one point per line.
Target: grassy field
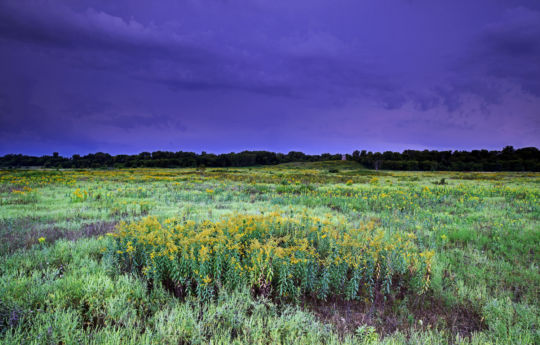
322	253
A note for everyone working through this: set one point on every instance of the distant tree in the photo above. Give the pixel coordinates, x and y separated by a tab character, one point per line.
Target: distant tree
508	150
508	158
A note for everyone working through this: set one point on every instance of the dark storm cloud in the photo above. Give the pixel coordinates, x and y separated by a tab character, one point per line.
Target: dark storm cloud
276	74
41	23
503	55
510	49
95	39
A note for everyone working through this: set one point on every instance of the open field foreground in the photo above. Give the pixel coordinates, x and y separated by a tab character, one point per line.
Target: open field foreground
321	253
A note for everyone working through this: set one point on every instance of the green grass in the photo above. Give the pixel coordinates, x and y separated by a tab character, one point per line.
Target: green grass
483	227
348	165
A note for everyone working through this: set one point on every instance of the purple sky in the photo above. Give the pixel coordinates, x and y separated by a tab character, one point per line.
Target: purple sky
125	76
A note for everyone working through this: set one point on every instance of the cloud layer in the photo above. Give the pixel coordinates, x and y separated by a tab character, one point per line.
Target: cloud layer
82	76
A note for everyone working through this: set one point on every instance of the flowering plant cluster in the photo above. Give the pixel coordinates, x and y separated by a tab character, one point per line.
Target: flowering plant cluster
79	195
286	256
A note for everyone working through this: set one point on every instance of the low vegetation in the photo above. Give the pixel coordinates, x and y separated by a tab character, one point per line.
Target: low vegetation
300	253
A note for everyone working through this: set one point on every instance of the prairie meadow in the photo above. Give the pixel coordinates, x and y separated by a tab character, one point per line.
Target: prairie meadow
298	253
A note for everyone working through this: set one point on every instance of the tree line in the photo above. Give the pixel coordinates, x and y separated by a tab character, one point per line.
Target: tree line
508	159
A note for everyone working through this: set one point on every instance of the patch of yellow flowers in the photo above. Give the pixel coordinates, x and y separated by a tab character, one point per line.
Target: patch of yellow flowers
79	195
293	255
22	191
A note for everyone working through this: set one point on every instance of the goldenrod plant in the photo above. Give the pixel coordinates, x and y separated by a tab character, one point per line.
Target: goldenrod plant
295	256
